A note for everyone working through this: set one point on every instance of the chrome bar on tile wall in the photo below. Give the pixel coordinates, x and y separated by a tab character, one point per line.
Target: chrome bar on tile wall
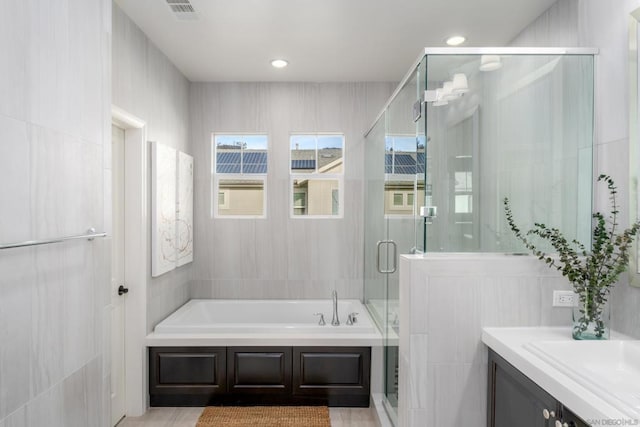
90	235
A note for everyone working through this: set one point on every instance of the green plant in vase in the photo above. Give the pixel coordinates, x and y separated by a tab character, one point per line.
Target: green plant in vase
592	273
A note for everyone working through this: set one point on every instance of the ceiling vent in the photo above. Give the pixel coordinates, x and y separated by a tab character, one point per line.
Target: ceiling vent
182	9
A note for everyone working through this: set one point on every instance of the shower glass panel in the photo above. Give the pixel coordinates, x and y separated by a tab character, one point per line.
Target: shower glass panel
465	129
523	130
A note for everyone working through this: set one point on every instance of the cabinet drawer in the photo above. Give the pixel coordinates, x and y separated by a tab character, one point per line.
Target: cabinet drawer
195	370
264	370
334	370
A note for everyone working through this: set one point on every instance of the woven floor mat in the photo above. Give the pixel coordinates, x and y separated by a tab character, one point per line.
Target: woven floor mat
265	416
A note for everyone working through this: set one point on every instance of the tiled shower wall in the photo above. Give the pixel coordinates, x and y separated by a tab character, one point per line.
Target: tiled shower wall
280	257
147	85
591	23
55	101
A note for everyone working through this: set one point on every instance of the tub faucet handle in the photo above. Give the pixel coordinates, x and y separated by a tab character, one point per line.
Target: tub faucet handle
321	322
352	318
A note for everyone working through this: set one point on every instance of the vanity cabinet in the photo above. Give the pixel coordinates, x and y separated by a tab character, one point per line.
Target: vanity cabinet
515	400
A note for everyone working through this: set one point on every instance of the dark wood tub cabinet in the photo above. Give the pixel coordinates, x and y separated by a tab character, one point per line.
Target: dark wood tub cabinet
198	376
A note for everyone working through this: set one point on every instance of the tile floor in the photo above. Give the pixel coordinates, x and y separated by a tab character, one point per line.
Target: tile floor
187	417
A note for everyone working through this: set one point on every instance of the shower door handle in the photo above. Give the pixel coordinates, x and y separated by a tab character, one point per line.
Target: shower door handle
395	253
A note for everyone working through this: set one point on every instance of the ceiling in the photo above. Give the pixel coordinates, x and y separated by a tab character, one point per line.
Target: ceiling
323	40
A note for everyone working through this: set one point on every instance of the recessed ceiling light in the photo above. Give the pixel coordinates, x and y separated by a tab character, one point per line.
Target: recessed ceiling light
279	63
456	40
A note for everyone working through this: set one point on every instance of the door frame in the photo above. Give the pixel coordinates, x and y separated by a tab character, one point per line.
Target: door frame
136	226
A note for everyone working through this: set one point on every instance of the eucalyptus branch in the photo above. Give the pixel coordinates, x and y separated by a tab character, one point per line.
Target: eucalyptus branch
594	272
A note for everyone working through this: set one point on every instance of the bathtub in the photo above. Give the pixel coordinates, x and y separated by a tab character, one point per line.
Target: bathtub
206	322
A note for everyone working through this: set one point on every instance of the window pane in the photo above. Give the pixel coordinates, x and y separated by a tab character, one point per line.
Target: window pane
463	181
330	153
241	154
241	197
299	203
227	160
401	157
320	197
303	154
463	204
300	200
317	153
398	196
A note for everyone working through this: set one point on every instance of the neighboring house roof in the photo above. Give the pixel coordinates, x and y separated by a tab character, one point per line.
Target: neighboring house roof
305	160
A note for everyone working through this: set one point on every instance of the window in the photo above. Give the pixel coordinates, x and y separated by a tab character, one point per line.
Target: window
317	170
239	175
404	168
463	201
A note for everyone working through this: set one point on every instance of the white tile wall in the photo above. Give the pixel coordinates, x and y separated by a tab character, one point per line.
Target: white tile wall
147	85
558	26
604	26
445	301
48	307
54	101
279	257
14	162
48	408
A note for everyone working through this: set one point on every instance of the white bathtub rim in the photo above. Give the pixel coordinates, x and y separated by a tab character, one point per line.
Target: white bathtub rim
261	335
232	339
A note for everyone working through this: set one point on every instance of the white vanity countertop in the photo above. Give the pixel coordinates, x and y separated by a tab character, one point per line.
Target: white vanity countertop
510	343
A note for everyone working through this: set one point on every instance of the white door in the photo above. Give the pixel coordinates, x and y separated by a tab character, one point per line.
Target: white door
117	279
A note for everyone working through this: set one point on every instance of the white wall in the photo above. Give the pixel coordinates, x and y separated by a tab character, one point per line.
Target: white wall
279	257
147	85
55	102
592	23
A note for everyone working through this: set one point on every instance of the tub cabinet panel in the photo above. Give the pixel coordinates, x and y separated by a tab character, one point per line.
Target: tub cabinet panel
186	372
198	376
339	374
259	369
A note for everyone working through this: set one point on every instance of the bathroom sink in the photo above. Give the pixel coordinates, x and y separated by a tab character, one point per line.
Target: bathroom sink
609	369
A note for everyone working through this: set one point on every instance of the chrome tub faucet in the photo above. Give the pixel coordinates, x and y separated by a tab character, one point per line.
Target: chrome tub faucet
334	320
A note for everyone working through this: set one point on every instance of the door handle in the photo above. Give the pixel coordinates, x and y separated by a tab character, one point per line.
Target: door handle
122	290
395	251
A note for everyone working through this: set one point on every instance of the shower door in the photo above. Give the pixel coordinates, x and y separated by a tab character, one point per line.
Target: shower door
394	150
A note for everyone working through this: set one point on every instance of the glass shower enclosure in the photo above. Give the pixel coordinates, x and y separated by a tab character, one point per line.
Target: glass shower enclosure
467	128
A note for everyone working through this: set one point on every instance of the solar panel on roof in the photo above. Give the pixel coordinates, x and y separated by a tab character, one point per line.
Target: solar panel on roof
404	160
405	170
228	157
245	162
254	157
254	168
228	168
303	164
